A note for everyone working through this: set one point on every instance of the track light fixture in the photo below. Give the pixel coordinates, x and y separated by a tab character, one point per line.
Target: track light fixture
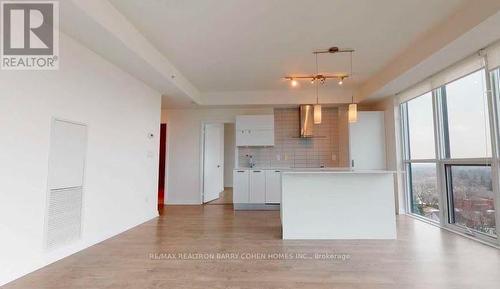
294	80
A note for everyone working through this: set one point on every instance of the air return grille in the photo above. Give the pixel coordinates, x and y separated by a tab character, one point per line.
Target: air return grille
64	216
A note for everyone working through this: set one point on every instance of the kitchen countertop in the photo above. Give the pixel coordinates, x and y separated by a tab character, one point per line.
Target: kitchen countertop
319	170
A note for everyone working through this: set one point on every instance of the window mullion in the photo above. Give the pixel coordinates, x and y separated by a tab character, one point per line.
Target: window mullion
439	141
493	118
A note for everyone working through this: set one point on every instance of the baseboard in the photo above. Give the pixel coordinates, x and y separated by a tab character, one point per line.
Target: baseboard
256	207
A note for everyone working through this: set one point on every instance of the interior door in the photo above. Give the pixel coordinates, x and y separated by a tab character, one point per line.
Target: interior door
213	165
367	141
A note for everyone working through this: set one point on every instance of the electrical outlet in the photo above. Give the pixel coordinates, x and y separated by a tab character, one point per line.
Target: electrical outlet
278	157
334	157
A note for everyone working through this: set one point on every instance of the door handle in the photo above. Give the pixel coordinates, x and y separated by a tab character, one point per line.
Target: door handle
218	166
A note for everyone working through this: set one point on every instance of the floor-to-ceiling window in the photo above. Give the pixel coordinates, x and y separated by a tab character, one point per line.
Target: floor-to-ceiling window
420	157
450	156
467	154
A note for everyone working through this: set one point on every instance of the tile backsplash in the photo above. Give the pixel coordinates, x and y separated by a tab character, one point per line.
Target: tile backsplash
290	150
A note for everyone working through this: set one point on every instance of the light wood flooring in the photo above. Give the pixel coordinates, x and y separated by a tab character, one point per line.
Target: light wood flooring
423	257
225	198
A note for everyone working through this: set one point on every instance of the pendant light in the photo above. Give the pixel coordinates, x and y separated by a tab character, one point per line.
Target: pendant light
353	107
317	106
353	112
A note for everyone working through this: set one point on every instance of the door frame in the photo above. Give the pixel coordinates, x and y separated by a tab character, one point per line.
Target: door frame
202	154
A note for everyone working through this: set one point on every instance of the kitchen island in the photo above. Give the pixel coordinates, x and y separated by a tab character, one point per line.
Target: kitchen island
338	204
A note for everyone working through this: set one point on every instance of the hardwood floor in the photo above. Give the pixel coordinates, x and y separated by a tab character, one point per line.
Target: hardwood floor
423	256
226	198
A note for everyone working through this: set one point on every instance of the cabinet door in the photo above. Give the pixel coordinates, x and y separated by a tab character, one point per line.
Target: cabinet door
243	137
255	121
273	187
240	187
257	187
261	137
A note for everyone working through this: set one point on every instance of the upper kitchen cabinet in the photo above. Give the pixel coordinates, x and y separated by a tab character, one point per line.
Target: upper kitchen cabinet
255	130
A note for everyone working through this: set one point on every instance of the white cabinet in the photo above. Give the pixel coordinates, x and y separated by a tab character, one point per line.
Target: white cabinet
255	130
240	186
273	186
256	186
257	193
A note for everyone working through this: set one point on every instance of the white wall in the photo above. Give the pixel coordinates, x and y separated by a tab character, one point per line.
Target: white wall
393	147
122	162
229	153
184	148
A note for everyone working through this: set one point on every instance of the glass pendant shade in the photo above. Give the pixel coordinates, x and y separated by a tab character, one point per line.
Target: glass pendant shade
317	114
353	112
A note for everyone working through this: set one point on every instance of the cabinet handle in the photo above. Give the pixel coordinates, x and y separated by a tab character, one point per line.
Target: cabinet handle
241	171
257	171
277	171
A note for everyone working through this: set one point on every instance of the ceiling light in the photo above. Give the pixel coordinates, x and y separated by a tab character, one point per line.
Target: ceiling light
317	106
317	114
353	113
294	83
341	81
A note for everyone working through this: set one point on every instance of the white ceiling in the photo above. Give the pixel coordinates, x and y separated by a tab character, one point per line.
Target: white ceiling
248	45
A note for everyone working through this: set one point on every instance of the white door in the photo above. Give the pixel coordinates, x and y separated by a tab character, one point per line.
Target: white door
213	163
367	141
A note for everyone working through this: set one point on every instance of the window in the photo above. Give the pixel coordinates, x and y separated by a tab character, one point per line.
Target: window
471	197
448	155
421	128
424	194
421	157
466	117
495	87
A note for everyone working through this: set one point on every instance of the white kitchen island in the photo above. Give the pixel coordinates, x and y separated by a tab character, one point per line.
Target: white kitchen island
338	204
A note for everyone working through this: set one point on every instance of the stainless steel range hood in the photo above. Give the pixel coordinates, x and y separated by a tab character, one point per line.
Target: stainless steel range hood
306	121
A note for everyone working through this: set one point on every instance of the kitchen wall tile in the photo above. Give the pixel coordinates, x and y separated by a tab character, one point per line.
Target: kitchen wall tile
291	151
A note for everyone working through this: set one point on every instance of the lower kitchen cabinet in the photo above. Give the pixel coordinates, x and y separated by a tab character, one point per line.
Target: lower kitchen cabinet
241	186
257	187
273	186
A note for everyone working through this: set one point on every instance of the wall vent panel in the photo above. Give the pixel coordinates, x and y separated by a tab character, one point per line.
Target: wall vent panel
64	217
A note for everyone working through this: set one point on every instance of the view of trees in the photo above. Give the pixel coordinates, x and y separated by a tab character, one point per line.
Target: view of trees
472	190
473	198
424	191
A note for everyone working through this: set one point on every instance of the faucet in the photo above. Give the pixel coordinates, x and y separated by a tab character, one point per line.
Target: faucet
251	161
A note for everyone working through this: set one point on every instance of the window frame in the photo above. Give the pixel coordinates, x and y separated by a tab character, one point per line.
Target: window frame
450	203
408	161
442	154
